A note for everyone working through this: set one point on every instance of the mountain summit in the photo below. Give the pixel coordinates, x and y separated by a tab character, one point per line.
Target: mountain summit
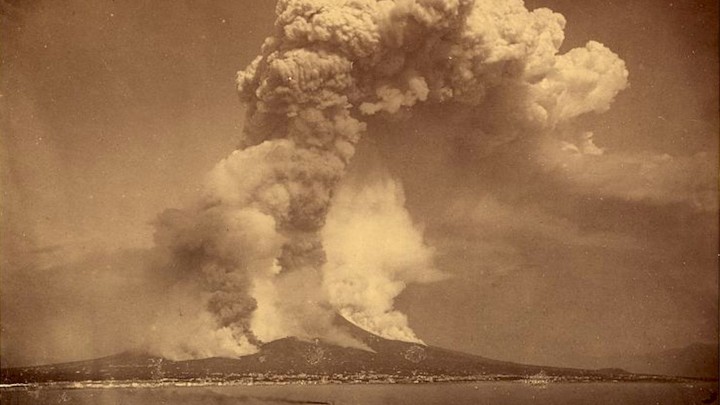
294	357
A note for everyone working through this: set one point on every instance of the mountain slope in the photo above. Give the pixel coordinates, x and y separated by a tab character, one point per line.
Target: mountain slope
291	356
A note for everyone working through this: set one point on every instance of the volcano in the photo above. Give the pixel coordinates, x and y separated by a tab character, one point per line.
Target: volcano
290	359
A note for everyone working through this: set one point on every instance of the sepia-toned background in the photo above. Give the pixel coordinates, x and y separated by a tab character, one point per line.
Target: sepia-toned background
114	111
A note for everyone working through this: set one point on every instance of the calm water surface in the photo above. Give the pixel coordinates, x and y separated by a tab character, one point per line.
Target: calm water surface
465	393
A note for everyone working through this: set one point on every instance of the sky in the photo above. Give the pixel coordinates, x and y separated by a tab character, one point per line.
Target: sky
114	112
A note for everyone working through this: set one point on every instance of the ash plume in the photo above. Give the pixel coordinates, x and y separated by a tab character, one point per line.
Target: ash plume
280	240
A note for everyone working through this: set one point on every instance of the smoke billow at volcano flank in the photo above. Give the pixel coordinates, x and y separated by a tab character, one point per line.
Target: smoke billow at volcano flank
281	239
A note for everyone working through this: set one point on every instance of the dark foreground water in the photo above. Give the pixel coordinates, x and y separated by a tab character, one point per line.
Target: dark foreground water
514	393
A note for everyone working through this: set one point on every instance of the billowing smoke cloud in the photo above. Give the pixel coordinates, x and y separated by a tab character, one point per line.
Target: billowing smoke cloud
279	242
645	176
373	251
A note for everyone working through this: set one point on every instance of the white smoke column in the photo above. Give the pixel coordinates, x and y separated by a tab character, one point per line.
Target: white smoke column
302	93
373	251
254	242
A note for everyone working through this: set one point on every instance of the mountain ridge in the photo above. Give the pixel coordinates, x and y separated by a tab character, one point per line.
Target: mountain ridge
292	356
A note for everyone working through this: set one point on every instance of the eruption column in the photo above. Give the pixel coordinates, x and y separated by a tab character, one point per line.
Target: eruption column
254	240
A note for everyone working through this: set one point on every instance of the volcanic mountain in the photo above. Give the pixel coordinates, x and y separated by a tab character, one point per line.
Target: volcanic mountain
291	356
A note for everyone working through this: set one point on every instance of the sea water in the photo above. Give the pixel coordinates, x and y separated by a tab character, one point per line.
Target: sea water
512	393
